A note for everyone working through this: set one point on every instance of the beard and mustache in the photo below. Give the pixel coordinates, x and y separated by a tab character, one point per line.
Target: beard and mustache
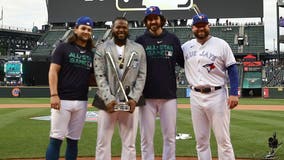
201	34
153	27
120	40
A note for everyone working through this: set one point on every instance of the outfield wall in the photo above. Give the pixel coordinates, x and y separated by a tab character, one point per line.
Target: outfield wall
273	92
41	92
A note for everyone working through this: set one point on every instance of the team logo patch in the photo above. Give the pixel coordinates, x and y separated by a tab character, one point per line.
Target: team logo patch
201	17
16	92
168	53
152	9
209	67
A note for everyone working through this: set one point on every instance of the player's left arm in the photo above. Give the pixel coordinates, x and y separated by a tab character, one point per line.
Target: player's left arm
234	81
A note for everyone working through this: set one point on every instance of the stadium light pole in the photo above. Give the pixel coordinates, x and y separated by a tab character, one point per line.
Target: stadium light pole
2	16
278	34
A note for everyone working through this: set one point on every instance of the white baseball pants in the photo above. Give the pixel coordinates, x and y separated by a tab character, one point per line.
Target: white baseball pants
69	120
211	111
127	126
167	110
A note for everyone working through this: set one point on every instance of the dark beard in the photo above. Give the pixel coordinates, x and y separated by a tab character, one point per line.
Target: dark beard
201	37
153	28
120	41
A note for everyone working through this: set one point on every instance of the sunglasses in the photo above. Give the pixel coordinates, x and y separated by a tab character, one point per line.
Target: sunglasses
121	62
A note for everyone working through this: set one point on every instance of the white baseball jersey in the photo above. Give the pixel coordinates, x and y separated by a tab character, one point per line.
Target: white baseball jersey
205	65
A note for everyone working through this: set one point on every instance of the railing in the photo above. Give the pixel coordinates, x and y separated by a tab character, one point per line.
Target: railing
13	28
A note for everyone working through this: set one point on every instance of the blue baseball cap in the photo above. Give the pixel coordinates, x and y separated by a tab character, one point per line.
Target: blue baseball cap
84	20
153	10
199	18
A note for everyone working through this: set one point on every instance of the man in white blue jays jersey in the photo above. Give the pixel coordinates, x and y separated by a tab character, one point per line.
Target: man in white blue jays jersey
209	62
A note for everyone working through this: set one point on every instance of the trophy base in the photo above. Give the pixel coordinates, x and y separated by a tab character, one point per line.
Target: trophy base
122	107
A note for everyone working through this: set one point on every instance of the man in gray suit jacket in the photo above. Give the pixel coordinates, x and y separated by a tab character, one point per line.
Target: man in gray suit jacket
130	62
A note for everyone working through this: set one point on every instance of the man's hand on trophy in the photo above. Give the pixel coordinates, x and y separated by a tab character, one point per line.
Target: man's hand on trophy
110	106
132	105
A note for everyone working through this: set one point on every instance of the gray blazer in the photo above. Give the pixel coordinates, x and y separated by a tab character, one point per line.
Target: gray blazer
105	75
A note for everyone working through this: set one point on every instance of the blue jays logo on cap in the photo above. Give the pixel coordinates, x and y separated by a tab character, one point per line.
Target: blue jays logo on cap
153	10
200	18
84	20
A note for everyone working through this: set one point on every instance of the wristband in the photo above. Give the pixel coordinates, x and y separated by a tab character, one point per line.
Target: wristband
234	79
53	95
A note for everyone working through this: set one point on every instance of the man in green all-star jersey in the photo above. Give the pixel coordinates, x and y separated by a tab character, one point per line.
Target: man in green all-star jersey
69	74
163	51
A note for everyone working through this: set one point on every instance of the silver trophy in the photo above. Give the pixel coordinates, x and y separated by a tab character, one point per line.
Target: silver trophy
121	106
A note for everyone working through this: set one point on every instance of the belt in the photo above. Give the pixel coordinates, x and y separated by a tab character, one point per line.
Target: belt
206	90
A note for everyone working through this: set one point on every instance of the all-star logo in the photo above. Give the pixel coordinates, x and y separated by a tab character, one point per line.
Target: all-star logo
209	67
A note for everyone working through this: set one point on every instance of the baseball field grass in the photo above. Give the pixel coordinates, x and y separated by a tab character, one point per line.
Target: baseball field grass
22	137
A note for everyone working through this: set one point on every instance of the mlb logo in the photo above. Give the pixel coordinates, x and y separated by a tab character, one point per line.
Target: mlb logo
169	54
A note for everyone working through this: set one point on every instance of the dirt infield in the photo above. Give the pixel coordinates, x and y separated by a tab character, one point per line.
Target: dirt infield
240	107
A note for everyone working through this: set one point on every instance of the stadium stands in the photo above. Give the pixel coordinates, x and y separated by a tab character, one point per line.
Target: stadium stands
253	36
46	44
243	39
255	39
273	76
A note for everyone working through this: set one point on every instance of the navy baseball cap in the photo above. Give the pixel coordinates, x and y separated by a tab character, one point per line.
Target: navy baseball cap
199	18
153	10
84	20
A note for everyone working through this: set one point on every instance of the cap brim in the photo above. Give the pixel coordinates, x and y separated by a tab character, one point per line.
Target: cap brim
200	23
